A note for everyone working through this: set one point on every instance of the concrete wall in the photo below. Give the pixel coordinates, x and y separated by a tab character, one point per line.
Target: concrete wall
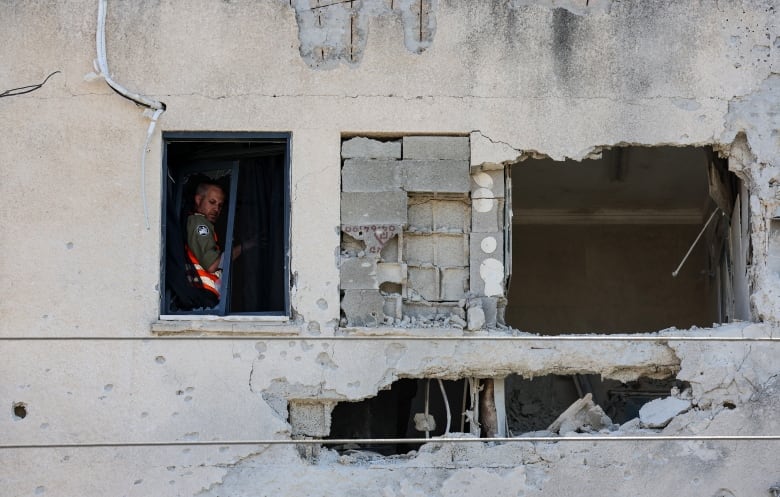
519	78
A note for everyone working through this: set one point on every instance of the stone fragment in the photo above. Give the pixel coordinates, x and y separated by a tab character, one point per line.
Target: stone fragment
476	318
366	148
363	175
658	412
490	308
311	419
363	307
374	236
423	422
359	273
373	208
444	176
582	415
436	147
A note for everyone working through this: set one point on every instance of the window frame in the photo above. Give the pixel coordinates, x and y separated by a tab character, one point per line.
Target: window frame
220	311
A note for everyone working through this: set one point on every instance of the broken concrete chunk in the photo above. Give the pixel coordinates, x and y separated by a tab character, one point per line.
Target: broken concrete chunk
366	148
476	318
423	422
363	307
359	273
657	413
311	419
582	415
375	236
436	147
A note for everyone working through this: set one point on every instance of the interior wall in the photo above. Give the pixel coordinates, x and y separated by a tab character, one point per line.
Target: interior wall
607	279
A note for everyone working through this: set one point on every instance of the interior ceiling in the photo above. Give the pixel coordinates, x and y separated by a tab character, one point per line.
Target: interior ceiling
627	185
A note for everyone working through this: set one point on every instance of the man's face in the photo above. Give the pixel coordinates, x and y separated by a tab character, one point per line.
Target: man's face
210	203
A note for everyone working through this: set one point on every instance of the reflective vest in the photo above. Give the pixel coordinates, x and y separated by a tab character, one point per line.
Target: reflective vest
209	281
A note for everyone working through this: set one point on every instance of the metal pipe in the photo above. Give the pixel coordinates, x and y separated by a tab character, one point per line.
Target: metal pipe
463	406
342	441
396	338
427	401
677	271
446	406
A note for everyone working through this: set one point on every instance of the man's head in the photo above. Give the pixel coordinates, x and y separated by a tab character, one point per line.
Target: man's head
208	200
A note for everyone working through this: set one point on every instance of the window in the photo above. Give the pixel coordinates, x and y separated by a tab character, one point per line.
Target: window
249	172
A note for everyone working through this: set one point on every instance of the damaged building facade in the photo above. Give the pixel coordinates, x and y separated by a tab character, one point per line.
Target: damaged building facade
487	248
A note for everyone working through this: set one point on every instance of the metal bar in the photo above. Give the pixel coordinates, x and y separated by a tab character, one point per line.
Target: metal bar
346	338
704	228
410	441
446	406
427	402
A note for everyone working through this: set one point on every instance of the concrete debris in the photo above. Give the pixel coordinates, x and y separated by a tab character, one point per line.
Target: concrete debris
657	413
423	422
476	318
582	416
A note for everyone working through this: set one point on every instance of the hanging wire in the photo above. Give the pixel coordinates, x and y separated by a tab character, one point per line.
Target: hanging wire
13	92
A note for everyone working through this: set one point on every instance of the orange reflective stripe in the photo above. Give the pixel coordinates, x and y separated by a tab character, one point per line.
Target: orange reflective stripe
209	281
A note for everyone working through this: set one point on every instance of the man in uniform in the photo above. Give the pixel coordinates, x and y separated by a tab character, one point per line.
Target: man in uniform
202	248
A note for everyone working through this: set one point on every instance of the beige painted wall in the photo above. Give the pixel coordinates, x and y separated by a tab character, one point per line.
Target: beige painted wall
78	261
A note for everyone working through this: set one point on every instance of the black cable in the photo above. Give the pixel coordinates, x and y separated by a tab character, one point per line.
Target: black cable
25	89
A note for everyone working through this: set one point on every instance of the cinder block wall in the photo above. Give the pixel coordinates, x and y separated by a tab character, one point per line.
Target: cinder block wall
422	234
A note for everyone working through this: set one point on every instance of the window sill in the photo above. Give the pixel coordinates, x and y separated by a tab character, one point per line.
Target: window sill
231	325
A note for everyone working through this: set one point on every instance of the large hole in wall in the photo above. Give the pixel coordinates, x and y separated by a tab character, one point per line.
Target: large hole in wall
534	404
391	414
595	243
410	407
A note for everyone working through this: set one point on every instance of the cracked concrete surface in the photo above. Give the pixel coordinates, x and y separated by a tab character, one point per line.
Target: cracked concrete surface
547	77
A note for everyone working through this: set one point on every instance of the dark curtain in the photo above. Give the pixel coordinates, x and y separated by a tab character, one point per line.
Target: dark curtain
257	275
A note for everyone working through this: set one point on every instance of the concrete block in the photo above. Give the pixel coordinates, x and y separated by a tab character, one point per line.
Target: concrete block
448	176
359	273
369	208
311	419
451	250
451	215
366	148
420	216
423	281
389	272
389	252
436	147
658	412
454	283
418	249
487	215
425	310
490	307
488	184
393	306
486	271
475	318
364	175
363	307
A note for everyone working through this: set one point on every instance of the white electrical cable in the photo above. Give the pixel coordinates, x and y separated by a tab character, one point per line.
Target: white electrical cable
102	64
158	107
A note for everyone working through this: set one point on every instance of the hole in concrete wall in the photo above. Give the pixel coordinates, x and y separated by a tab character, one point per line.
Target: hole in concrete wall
594	243
391	414
20	410
534	404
